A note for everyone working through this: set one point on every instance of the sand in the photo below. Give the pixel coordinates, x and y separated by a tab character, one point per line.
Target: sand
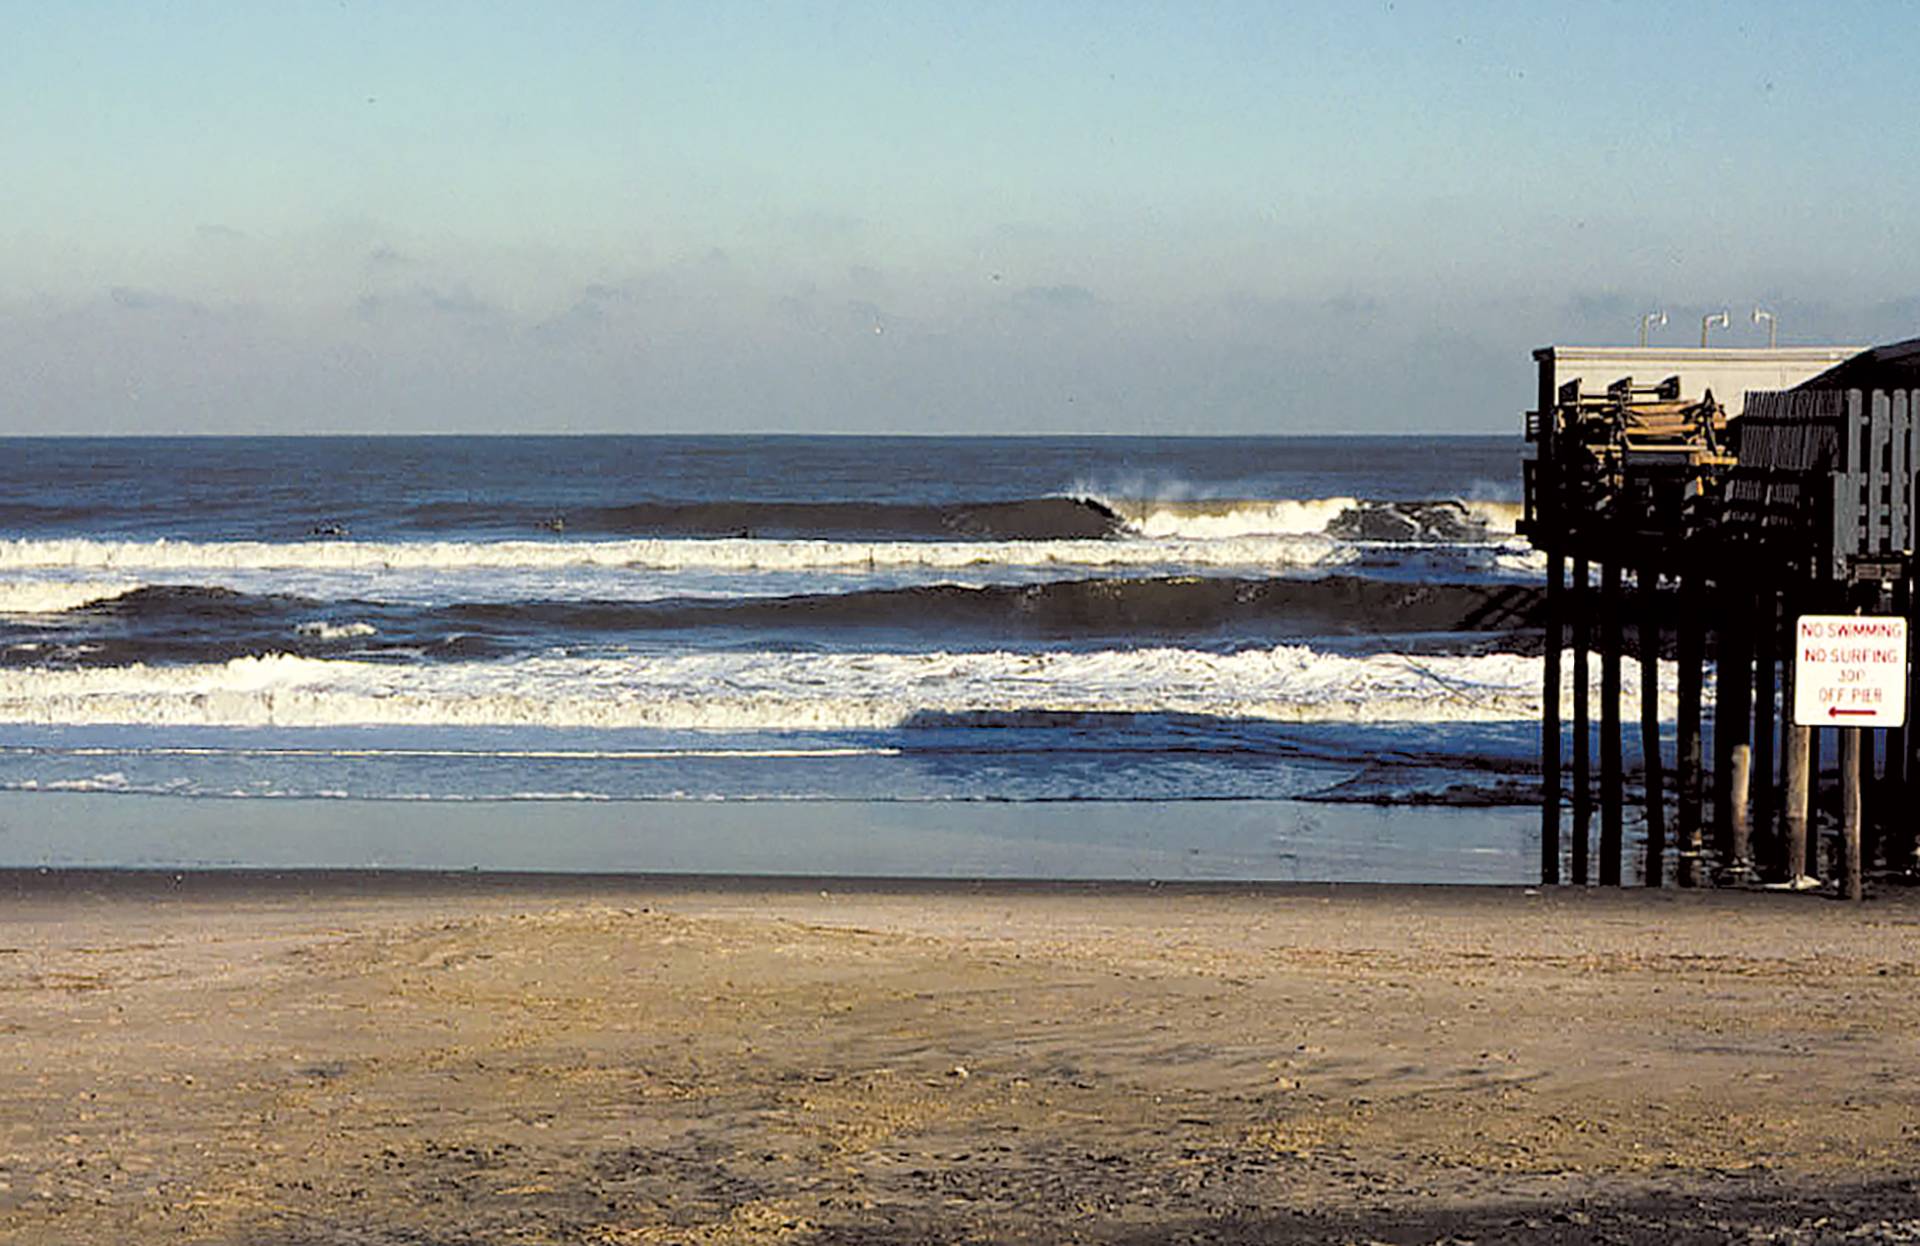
423	1058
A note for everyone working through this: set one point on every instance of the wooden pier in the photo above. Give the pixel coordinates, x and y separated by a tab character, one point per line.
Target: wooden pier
1692	507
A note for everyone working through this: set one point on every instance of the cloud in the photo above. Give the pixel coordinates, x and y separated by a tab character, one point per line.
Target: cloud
1897	318
427	301
219	233
1352	306
1059	298
135	299
1603	307
584	318
824	228
384	256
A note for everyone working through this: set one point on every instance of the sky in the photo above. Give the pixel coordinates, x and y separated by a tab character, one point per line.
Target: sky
917	218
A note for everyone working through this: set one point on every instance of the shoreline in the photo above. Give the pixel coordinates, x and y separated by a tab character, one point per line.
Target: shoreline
1217	840
333	1056
134	883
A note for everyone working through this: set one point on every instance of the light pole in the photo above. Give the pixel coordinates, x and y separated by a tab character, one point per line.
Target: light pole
1773	326
1721	318
1651	318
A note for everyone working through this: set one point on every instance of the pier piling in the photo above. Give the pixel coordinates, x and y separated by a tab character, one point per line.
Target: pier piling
1581	604
1850	867
1688	644
1766	667
1612	796
1732	729
1650	725
1799	754
1550	724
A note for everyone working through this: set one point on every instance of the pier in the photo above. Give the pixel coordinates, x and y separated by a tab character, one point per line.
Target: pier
1693	507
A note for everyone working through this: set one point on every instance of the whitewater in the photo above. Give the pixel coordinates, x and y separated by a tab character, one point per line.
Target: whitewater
594	620
737	554
785	691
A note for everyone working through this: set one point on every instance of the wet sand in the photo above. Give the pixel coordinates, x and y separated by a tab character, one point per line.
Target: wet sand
447	1058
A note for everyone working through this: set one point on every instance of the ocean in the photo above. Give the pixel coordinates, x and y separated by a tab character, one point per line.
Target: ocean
1217	657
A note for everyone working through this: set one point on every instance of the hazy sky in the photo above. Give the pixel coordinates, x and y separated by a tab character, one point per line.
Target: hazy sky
922	218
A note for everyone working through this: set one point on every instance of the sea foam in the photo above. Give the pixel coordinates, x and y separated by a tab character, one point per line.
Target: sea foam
744	554
58	596
765	691
1227	520
1223	519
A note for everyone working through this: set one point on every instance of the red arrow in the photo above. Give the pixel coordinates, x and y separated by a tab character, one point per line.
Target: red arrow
1836	711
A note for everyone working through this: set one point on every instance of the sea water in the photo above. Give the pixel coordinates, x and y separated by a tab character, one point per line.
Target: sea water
905	632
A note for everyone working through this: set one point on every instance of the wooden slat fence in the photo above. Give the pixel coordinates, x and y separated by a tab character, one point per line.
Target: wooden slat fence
1852	452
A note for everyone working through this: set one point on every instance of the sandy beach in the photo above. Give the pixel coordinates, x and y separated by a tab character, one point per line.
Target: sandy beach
413	1057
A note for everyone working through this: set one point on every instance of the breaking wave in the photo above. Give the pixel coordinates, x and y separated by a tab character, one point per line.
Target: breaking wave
1072	516
762	691
732	553
58	596
325	629
1443	521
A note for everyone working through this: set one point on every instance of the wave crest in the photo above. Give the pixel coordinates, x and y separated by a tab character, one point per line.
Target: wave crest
1443	521
761	691
729	554
59	596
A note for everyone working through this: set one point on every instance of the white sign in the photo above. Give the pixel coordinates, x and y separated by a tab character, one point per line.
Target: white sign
1850	670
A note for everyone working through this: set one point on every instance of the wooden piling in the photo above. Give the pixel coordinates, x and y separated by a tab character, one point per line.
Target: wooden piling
1897	824
1799	757
1550	725
1732	727
1650	725
1581	604
1850	813
1739	781
1766	667
1869	793
1909	840
1611	796
1816	750
1689	643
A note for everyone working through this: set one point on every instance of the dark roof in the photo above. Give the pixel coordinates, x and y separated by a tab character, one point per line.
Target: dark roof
1884	367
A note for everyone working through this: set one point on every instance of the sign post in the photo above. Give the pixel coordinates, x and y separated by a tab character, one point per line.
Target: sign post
1850	671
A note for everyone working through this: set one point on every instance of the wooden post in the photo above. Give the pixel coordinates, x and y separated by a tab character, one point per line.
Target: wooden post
1611	796
1895	835
1910	839
1816	749
1689	636
1650	725
1550	726
1766	666
1869	793
1732	725
1799	755
1582	607
1850	813
1800	762
1740	855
